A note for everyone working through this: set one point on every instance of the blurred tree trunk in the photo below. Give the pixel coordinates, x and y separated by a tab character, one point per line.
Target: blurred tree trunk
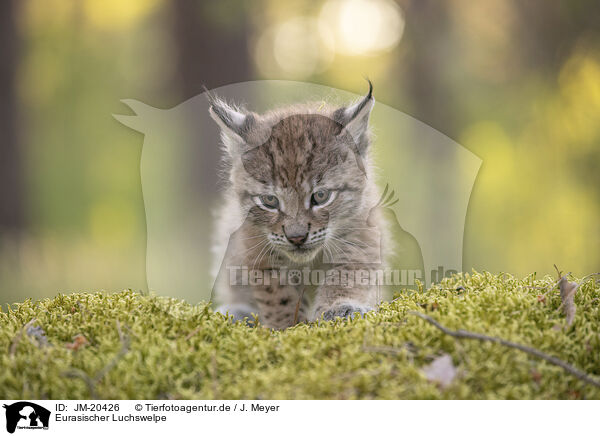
11	187
211	39
212	43
431	100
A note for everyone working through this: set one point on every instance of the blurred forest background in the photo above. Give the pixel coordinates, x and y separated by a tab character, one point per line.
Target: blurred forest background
515	82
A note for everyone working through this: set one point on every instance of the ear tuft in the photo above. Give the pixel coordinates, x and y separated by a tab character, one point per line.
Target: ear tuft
355	119
234	122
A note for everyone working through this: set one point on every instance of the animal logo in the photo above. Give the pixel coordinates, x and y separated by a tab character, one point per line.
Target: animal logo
26	415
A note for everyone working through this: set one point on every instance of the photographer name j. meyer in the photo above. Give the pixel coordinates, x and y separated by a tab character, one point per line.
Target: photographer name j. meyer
153	408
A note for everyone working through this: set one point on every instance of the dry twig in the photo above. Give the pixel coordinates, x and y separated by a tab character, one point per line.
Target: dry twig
192	333
91	382
586	278
464	334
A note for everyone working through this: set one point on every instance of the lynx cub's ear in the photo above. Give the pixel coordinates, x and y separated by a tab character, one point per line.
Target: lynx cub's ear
355	119
235	124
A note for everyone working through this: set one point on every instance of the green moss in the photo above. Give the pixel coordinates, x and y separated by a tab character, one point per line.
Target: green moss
182	351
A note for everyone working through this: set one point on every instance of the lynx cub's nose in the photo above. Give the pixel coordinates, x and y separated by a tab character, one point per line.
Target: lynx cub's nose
296	236
297	240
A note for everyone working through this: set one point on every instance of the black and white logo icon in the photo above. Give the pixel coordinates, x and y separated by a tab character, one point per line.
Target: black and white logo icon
26	415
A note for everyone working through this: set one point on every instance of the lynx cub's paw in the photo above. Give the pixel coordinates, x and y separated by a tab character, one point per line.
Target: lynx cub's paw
345	311
238	311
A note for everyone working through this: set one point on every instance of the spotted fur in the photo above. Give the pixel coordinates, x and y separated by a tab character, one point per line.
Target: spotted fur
290	154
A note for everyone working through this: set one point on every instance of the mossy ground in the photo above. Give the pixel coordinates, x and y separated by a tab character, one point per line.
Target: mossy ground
180	351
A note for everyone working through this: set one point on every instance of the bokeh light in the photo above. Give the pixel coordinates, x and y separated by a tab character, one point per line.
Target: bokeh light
361	27
294	47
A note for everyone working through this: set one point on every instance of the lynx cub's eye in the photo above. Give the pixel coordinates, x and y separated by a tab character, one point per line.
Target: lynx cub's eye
269	201
320	197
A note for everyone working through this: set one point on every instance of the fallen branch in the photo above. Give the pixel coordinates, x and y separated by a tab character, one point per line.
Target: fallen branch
551	289
192	333
464	334
385	350
125	343
91	382
586	278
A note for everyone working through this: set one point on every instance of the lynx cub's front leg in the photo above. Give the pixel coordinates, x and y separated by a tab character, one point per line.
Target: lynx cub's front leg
277	305
352	287
340	301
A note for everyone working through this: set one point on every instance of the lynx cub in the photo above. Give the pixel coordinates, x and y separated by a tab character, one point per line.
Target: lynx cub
300	201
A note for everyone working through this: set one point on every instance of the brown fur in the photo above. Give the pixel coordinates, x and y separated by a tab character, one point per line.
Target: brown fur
291	154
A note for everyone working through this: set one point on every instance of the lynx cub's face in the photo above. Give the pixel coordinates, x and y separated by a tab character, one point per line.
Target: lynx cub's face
299	174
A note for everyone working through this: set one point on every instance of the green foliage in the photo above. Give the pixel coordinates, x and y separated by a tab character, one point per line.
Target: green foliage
181	351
